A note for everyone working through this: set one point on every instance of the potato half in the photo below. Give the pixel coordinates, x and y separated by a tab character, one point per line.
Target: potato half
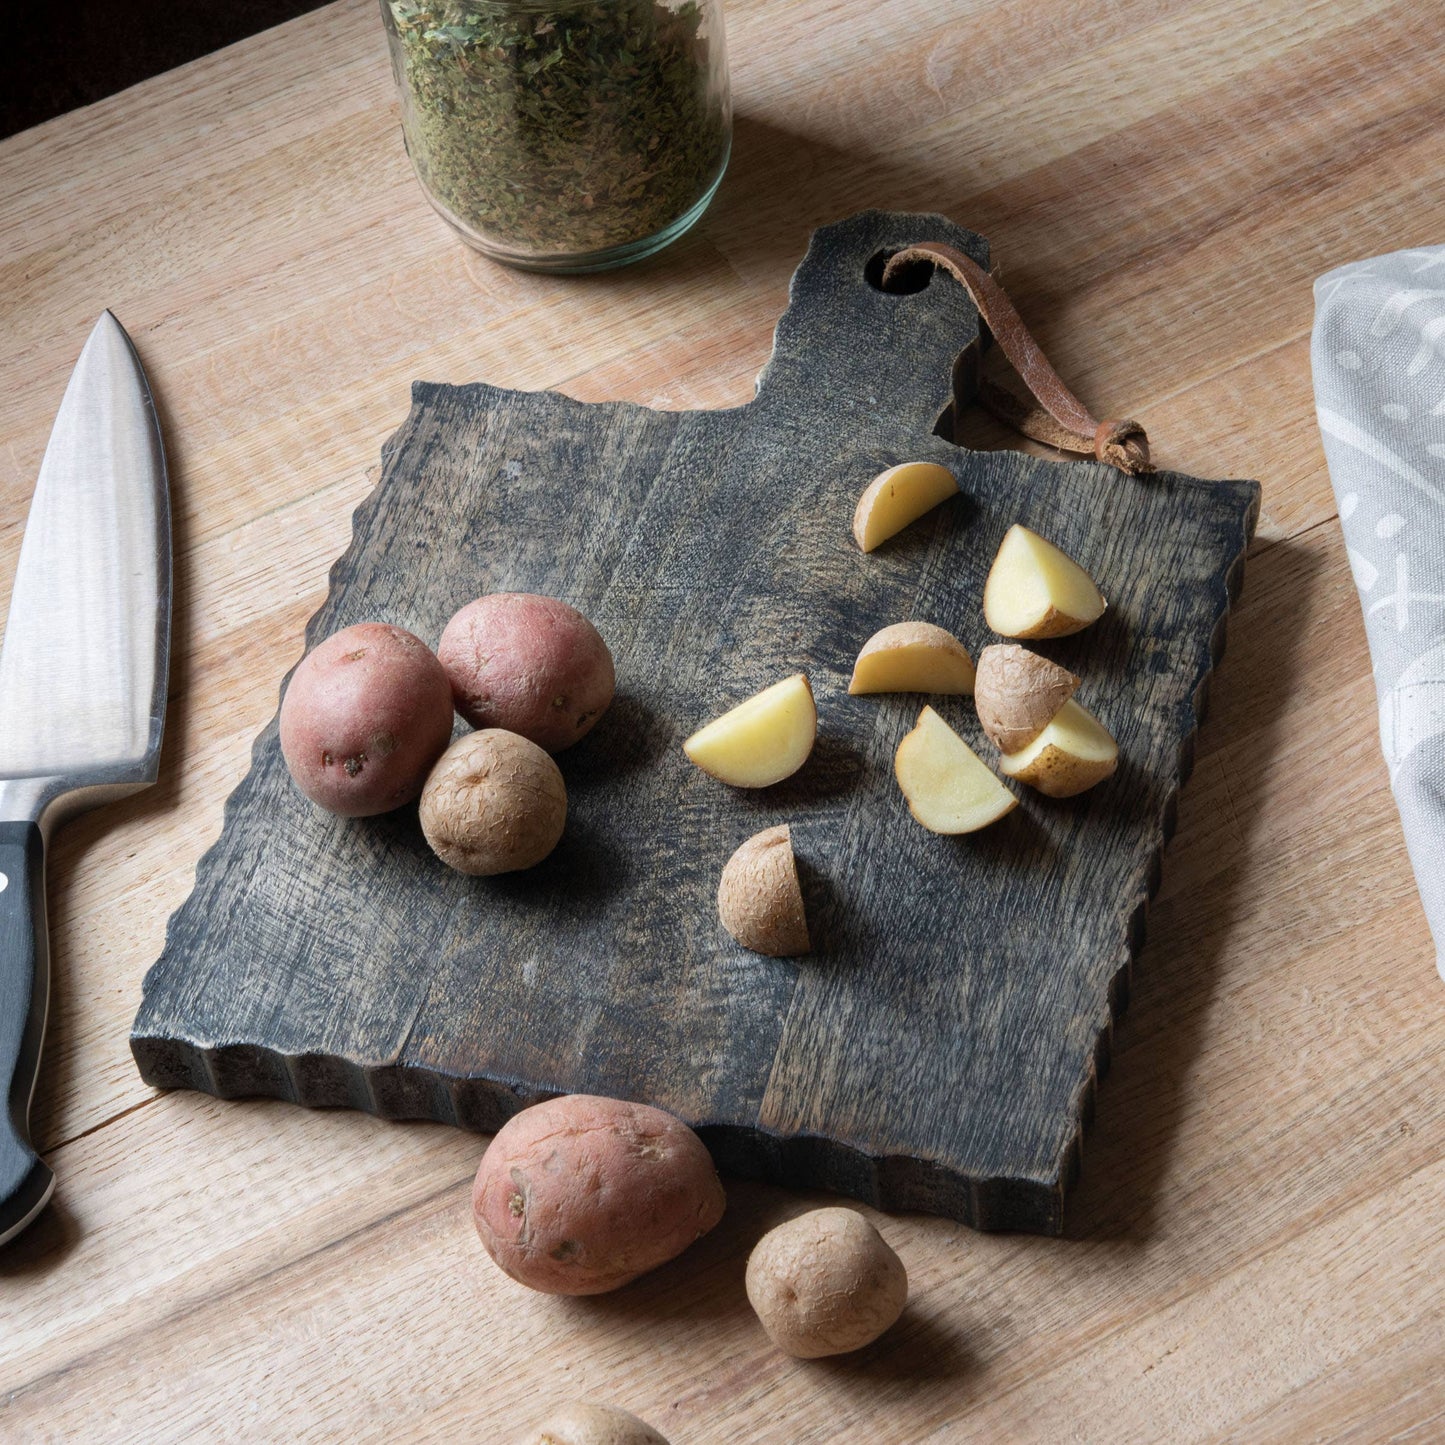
1073	753
949	788
1018	694
761	741
897	497
1036	590
913	657
759	899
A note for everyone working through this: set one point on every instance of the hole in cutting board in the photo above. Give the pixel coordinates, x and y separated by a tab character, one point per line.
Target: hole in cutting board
913	278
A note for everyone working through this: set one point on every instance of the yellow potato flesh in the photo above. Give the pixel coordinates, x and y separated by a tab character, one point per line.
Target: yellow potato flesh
913	657
1035	590
949	788
1073	753
761	741
897	497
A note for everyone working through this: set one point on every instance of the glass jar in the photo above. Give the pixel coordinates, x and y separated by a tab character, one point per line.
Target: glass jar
564	135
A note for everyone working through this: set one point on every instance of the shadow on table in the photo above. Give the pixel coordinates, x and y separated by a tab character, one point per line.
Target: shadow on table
780	186
42	1246
1140	1107
922	1352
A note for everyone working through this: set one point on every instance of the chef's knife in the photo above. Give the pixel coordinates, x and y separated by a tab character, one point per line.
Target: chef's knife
82	688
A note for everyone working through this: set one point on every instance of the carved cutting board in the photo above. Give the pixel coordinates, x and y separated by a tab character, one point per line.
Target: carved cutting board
939	1049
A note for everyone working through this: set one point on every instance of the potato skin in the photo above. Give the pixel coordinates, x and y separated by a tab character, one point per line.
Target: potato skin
759	898
581	1194
494	803
587	1424
530	664
825	1283
1018	694
365	716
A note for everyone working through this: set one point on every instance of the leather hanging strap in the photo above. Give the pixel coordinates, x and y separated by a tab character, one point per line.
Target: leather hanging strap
1050	412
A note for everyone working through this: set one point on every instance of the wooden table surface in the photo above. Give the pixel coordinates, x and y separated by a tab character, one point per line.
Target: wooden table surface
1258	1238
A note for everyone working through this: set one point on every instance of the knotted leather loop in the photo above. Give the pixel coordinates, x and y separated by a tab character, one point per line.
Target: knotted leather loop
1050	412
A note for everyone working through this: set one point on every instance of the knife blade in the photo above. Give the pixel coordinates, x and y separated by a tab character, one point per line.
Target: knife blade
83	675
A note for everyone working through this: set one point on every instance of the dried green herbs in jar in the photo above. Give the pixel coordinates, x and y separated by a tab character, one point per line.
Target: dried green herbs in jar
564	136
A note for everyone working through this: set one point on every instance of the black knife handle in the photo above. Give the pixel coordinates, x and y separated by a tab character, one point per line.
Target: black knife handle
25	1182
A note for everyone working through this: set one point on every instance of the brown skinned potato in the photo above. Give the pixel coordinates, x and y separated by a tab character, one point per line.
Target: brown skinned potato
913	657
581	1194
495	803
1018	694
825	1283
1073	753
759	899
1034	589
587	1424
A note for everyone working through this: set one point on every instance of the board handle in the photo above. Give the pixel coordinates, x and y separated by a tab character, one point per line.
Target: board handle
1050	412
25	1181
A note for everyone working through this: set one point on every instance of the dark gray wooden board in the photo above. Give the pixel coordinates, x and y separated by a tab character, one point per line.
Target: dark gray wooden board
939	1049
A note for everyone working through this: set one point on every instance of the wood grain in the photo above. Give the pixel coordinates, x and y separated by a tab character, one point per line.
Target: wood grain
1256	1236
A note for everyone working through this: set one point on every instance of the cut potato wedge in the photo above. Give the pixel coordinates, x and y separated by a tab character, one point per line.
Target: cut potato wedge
1018	694
897	497
761	741
759	898
949	788
1073	753
913	657
1035	590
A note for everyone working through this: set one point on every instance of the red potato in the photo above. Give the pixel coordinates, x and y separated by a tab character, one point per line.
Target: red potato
365	716
581	1194
529	664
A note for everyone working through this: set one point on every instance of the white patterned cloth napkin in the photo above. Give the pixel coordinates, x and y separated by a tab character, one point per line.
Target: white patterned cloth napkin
1378	356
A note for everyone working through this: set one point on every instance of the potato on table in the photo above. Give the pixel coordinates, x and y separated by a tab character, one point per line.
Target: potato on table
949	788
761	741
1018	694
587	1424
825	1283
1073	753
759	897
913	657
897	497
582	1194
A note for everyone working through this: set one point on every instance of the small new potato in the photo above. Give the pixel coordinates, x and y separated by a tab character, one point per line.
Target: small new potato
825	1283
759	898
587	1424
495	803
365	716
530	664
581	1194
